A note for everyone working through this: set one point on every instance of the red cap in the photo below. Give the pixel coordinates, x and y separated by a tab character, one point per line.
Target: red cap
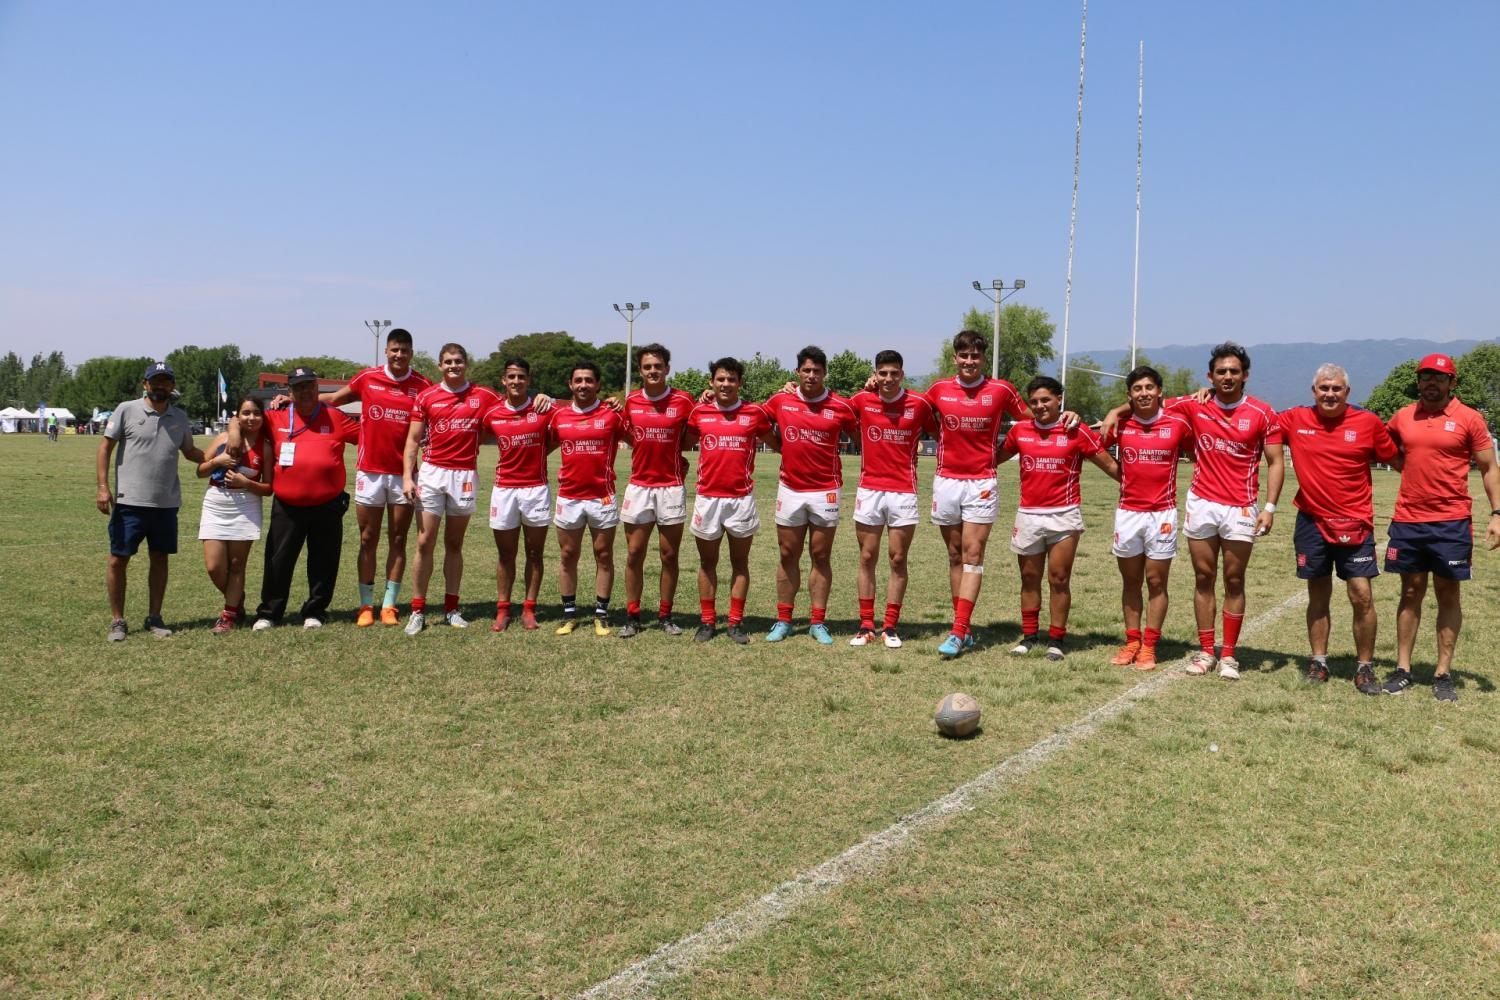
1438	363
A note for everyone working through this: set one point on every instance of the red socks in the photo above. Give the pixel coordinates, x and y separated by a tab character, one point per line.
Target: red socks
418	605
502	607
736	610
817	616
708	612
664	609
450	603
962	609
1232	625
1056	632
1206	640
1151	637
529	606
892	615
1132	635
1031	620
867	614
784	613
632	609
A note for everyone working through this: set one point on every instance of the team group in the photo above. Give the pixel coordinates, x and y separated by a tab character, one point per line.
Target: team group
418	451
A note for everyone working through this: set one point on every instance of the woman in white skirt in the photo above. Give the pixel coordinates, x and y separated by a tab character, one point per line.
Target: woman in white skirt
232	508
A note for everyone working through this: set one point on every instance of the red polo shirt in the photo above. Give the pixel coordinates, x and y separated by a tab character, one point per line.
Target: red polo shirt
1437	448
317	472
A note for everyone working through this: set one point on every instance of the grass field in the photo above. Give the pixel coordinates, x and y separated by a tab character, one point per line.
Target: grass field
355	812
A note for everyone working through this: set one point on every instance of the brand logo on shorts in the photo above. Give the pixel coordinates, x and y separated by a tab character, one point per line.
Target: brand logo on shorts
1344	539
1392	553
1166	527
1302	560
697	520
984	494
468	487
831	497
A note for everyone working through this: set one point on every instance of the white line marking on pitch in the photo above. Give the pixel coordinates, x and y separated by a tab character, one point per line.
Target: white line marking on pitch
728	932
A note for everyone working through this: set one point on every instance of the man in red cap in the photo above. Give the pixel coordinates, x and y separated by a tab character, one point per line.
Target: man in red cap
1432	530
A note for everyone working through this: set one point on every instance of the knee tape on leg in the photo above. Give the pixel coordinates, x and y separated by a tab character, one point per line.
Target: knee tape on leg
971	568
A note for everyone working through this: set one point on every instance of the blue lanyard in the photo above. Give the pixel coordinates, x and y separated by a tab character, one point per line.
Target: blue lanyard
291	412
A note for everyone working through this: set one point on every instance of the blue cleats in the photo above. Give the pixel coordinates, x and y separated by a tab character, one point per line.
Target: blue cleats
780	631
819	632
951	647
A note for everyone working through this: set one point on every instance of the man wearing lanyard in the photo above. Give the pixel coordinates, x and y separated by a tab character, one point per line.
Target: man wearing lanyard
308	502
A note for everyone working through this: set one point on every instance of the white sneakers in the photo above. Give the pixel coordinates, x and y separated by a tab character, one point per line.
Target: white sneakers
312	623
1229	668
261	624
455	620
416	623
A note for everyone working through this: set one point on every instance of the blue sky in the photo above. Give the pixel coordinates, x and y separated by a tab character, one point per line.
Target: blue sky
766	174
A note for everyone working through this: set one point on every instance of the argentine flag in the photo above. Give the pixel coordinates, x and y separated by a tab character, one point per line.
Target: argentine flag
223	389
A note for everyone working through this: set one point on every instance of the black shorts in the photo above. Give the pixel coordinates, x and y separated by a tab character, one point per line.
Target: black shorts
1442	547
128	525
1317	556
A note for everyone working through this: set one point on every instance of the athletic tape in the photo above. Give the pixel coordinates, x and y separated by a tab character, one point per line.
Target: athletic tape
870	855
970	568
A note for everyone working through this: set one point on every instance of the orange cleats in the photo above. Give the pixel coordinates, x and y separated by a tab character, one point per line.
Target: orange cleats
366	616
389	615
1145	659
502	621
528	619
1128	654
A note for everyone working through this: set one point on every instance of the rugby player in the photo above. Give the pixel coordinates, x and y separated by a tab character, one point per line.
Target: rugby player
1333	444
1049	518
1231	431
385	393
727	432
969	408
451	417
1150	441
520	508
656	416
891	422
809	421
588	435
1432	529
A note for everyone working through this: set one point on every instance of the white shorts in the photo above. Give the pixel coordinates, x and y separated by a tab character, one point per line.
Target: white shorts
513	506
794	509
1036	533
1153	532
883	507
712	516
378	489
955	501
445	491
598	514
661	504
1206	519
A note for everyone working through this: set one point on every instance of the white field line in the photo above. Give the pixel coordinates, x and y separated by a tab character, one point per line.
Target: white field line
728	932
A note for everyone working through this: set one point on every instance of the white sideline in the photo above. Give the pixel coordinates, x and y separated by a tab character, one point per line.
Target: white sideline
729	931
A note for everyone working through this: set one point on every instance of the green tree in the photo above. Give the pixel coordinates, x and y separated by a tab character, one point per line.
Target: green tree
1174	381
1086	394
1479	380
611	361
12	376
42	379
847	372
764	377
426	364
551	355
691	381
1025	343
324	365
102	383
1398	389
197	370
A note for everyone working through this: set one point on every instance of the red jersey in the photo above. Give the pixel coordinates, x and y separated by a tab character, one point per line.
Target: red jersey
1229	441
1437	447
969	423
588	440
1334	457
522	438
727	440
385	405
454	418
1051	463
317	473
1148	459
889	435
656	431
810	439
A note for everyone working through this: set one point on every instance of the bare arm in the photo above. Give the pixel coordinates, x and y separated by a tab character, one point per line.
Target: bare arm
1106	461
103	498
1111	422
1275	477
414	432
1489	470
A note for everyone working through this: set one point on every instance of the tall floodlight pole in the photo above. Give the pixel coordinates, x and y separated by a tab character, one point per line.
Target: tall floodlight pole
630	312
1083	35
1140	124
998	292
375	326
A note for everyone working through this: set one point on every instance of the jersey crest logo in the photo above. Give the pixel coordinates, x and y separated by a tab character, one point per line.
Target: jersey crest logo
908	413
442	426
789	433
1028	463
671	411
376	413
986	399
873	433
1243	423
567	447
531	418
710	442
1350	436
1164	432
1131	455
950	421
1449	425
473	402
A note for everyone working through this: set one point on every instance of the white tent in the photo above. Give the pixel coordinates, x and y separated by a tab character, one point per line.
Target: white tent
61	413
11	417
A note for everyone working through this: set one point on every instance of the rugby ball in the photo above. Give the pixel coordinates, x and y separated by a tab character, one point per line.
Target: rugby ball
957	715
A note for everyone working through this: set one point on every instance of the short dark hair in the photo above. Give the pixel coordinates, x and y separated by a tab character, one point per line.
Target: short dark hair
520	363
398	336
731	365
1047	382
1142	371
970	339
814	354
451	348
656	349
1229	349
890	358
587	366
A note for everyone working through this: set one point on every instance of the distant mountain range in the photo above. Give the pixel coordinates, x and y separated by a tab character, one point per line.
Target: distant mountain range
1281	374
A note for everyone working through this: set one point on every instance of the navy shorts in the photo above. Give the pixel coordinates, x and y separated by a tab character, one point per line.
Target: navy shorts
1442	547
1317	556
128	525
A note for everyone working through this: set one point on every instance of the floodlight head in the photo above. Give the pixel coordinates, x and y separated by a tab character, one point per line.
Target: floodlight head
978	287
630	307
998	283
617	307
645	306
385	322
1020	283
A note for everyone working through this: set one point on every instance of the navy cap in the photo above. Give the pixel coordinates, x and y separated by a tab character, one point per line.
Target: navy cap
156	368
300	375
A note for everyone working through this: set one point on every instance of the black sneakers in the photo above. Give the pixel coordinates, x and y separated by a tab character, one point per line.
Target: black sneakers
1316	672
1057	650
1442	688
1025	644
1397	682
1364	680
737	634
630	629
705	632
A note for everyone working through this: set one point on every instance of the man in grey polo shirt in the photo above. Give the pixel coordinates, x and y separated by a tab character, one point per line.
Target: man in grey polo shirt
150	432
